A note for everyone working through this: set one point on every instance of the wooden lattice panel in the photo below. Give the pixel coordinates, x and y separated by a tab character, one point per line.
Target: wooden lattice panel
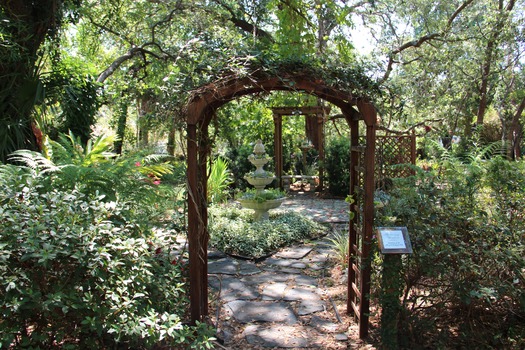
394	150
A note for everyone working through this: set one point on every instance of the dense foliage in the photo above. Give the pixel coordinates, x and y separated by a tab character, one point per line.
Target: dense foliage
234	231
464	284
336	164
81	264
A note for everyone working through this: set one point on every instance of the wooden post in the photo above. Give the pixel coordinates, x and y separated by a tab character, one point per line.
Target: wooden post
352	239
278	147
391	290
320	137
368	212
203	152
193	226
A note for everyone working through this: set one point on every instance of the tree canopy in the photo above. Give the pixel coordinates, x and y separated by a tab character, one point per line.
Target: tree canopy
447	65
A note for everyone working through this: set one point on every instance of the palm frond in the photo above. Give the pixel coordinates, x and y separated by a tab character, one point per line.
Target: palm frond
99	150
219	179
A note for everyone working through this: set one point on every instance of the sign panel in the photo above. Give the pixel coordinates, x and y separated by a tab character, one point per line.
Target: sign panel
394	240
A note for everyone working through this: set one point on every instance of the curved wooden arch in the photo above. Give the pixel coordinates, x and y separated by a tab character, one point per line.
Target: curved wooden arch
209	98
200	110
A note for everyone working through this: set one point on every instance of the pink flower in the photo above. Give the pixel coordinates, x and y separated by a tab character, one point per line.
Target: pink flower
137	164
156	182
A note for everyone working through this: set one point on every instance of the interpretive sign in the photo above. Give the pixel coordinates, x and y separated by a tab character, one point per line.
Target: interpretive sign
394	240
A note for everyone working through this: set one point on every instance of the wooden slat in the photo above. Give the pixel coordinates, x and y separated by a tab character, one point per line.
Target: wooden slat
358	148
355	308
356	250
357	271
356	290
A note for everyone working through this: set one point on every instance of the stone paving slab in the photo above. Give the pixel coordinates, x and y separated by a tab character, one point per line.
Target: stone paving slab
260	311
304	280
274	291
232	288
319	209
230	266
278	336
225	266
285	263
269	276
309	307
323	325
296	252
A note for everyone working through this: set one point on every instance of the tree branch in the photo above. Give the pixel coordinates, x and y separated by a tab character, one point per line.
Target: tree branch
135	51
243	24
401	132
422	40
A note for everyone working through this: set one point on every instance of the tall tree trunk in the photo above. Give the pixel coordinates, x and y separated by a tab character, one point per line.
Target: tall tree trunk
515	133
490	51
26	25
121	127
145	106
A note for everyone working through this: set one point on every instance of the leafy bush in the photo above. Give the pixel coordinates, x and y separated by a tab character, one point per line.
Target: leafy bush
336	164
72	276
239	164
465	282
233	231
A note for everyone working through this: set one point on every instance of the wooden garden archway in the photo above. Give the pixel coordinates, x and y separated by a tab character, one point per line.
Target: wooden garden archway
357	110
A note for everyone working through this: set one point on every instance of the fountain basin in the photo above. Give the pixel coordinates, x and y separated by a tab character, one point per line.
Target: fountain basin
259	182
260	208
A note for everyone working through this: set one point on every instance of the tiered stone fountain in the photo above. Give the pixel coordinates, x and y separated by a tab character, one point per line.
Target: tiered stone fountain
259	179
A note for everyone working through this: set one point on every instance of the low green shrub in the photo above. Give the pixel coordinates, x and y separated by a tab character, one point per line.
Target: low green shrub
79	272
233	231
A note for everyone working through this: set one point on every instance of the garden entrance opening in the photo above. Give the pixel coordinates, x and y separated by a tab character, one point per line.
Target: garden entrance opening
356	109
315	117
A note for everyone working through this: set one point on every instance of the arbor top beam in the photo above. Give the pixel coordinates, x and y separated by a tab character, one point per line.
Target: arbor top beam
301	110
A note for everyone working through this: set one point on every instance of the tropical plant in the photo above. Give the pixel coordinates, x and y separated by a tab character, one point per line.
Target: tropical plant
340	242
219	179
93	170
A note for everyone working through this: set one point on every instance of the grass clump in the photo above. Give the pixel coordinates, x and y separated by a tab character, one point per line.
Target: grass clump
234	231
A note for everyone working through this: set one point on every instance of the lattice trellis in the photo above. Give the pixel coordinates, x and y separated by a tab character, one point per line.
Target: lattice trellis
394	150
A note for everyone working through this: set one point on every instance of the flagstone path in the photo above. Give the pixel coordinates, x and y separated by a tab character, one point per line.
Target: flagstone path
283	301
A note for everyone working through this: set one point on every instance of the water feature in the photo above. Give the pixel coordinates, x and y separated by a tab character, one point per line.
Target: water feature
260	200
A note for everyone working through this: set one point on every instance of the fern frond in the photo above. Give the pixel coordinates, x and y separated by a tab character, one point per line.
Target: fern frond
69	152
36	162
497	148
58	153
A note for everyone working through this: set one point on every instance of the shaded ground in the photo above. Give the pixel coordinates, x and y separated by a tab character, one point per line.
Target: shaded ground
294	299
